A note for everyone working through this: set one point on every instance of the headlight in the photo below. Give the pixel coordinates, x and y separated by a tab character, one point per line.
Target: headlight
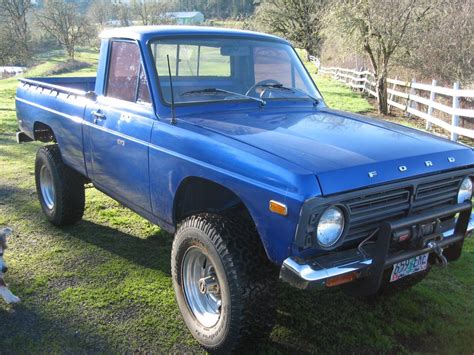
465	191
330	227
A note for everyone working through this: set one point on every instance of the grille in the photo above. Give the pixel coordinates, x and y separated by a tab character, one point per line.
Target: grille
368	211
437	193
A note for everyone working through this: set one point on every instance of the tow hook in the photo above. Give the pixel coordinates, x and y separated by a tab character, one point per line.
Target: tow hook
439	253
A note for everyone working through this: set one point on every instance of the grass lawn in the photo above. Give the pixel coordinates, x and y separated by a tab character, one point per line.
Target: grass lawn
340	97
104	284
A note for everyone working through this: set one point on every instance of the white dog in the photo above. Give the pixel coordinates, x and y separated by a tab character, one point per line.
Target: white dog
5	293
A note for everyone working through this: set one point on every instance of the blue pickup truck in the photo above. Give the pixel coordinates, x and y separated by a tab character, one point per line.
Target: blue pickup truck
222	138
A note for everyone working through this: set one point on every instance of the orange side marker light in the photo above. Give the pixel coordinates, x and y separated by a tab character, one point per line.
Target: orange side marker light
341	279
278	208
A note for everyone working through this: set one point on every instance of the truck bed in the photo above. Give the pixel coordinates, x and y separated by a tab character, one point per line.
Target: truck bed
60	104
65	84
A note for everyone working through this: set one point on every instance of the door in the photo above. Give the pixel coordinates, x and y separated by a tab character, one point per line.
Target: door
120	125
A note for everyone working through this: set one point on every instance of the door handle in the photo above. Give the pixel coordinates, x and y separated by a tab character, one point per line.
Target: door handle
98	115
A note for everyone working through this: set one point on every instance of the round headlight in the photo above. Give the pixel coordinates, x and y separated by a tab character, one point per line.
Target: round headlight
465	191
330	227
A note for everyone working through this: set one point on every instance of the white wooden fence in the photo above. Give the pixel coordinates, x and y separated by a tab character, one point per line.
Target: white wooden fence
11	71
408	97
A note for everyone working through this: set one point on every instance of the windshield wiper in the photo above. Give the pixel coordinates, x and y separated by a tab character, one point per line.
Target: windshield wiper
286	88
216	91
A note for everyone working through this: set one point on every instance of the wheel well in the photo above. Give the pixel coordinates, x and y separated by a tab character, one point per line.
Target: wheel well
43	133
196	195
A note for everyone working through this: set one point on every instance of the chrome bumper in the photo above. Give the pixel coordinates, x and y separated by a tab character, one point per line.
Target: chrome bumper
315	272
21	137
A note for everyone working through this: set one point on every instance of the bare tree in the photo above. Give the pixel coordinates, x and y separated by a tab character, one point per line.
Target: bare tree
383	29
122	13
446	51
338	51
65	23
151	12
13	15
100	12
300	21
7	48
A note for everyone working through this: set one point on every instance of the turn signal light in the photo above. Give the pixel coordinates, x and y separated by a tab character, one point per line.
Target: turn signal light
341	279
278	208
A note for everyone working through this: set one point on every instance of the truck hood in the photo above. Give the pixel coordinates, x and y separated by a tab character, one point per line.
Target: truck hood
345	151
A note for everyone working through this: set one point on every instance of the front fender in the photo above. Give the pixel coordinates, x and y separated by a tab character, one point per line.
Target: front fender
256	177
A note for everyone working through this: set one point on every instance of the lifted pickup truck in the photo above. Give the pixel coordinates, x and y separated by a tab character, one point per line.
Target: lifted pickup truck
221	137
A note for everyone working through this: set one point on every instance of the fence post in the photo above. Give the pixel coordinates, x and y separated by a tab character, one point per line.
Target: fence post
390	98
410	102
359	76
356	77
455	118
373	87
430	107
364	89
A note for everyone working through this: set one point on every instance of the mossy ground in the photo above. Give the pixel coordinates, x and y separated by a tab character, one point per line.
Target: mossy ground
104	284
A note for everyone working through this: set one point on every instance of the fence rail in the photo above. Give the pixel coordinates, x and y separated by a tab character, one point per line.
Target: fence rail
10	71
409	96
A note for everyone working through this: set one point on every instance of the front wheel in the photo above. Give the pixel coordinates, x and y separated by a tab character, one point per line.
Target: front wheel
60	189
224	283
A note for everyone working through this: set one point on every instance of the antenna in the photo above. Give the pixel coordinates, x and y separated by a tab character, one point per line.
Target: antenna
173	113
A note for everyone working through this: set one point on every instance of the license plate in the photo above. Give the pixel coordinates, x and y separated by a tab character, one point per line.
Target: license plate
410	266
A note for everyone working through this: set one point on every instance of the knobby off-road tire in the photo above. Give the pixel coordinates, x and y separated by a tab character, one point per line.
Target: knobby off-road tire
246	280
60	189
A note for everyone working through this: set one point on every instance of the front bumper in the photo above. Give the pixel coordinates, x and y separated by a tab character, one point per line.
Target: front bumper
22	137
369	263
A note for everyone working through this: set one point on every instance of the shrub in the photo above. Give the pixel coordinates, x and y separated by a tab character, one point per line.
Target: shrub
67	67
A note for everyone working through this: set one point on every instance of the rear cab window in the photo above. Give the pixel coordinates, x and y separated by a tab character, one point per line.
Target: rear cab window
188	60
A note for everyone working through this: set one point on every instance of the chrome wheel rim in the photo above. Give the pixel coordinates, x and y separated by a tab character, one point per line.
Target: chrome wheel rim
47	187
201	287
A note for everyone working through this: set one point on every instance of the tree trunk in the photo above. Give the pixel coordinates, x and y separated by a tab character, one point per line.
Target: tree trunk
308	53
70	51
381	88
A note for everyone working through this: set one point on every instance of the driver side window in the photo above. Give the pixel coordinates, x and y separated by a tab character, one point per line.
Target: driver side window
127	80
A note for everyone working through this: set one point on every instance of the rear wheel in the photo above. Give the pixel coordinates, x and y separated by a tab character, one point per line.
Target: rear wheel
225	286
60	189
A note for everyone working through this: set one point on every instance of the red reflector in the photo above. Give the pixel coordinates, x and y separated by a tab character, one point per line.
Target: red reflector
401	236
404	237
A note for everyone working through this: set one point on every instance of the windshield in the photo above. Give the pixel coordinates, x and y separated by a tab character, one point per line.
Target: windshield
218	69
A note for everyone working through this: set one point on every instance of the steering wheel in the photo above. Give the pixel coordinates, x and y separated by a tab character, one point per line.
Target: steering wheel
252	90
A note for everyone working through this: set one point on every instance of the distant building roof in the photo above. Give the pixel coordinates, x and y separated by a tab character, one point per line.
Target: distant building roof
184	14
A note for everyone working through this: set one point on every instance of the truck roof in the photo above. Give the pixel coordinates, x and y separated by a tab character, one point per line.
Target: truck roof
145	33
